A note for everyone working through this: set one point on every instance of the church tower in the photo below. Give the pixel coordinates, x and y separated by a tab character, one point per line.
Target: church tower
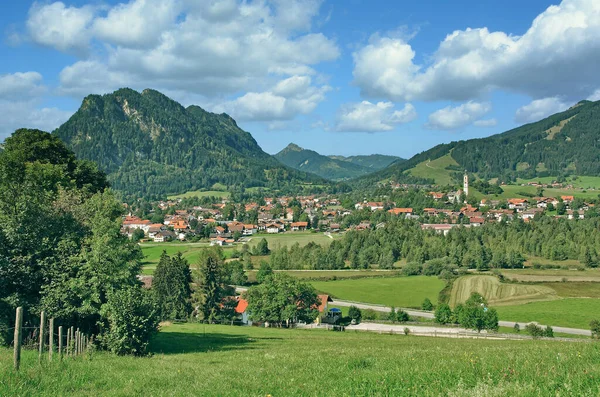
466	184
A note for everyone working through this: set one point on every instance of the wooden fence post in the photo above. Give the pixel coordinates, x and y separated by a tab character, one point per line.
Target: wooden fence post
77	342
68	341
60	342
18	324
51	339
42	322
72	340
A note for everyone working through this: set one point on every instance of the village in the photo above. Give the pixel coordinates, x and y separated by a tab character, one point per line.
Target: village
226	222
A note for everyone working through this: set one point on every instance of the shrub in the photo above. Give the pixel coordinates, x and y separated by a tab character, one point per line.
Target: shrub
595	328
412	269
427	305
534	330
402	316
517	328
355	314
369	314
131	318
406	331
548	332
392	315
443	314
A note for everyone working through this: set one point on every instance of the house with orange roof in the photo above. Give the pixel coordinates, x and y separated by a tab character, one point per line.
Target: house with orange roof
567	199
401	211
299	226
242	309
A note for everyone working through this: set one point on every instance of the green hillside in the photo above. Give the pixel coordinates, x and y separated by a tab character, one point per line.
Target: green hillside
439	170
372	161
310	161
566	143
151	145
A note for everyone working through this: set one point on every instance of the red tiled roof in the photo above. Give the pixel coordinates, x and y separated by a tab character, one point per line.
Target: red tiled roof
397	211
241	306
324	299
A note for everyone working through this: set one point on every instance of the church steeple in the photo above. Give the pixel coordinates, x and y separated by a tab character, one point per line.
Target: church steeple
466	184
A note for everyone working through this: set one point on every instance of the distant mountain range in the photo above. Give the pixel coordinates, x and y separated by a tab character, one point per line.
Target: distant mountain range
564	143
335	168
151	145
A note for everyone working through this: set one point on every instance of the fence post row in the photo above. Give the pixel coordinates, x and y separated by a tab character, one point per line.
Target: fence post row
18	325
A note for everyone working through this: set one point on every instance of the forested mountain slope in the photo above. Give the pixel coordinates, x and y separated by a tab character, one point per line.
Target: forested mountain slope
151	145
374	162
310	161
564	143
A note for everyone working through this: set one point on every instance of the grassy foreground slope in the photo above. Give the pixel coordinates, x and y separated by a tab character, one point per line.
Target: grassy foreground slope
193	360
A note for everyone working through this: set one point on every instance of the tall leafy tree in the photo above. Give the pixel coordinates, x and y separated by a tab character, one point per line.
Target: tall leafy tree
212	289
171	286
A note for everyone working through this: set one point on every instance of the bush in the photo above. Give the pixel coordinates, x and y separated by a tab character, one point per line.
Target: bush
392	315
355	314
369	314
443	314
534	330
131	318
595	328
406	331
427	305
549	332
412	269
402	316
517	328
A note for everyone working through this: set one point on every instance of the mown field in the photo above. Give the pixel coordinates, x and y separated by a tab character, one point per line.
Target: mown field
394	291
498	293
568	304
191	360
290	238
329	274
200	193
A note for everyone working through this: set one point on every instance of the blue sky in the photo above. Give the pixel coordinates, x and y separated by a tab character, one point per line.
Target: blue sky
339	77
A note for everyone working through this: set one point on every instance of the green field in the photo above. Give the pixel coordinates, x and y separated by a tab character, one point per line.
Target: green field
290	238
329	274
514	191
212	360
582	182
570	312
436	170
200	193
394	291
498	293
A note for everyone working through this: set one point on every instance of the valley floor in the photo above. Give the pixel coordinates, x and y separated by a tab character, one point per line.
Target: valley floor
193	359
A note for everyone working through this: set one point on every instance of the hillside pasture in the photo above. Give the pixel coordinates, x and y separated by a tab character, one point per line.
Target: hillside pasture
394	291
217	360
498	293
518	191
436	170
200	193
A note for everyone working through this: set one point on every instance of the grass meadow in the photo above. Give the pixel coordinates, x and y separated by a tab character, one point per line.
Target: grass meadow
568	312
393	291
212	360
200	193
290	238
436	170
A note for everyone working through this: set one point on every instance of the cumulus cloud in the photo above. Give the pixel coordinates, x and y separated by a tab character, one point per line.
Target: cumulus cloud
19	86
56	25
27	114
595	96
556	56
213	49
452	118
539	109
373	117
288	98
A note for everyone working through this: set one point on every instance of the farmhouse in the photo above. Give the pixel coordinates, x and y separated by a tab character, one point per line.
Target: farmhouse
401	211
299	226
221	241
274	228
242	310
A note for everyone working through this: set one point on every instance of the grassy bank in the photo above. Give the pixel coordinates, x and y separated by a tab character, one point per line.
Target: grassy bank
193	360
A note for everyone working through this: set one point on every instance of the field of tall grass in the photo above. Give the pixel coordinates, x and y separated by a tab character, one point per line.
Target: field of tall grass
193	359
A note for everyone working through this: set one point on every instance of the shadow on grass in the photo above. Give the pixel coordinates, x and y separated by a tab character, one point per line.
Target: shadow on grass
177	343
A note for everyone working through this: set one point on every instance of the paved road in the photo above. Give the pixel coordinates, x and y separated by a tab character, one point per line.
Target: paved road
424	314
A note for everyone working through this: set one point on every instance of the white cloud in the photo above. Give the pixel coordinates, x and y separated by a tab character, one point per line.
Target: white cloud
373	117
208	49
558	55
452	118
539	109
56	25
288	98
19	86
138	23
486	123
27	114
595	96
